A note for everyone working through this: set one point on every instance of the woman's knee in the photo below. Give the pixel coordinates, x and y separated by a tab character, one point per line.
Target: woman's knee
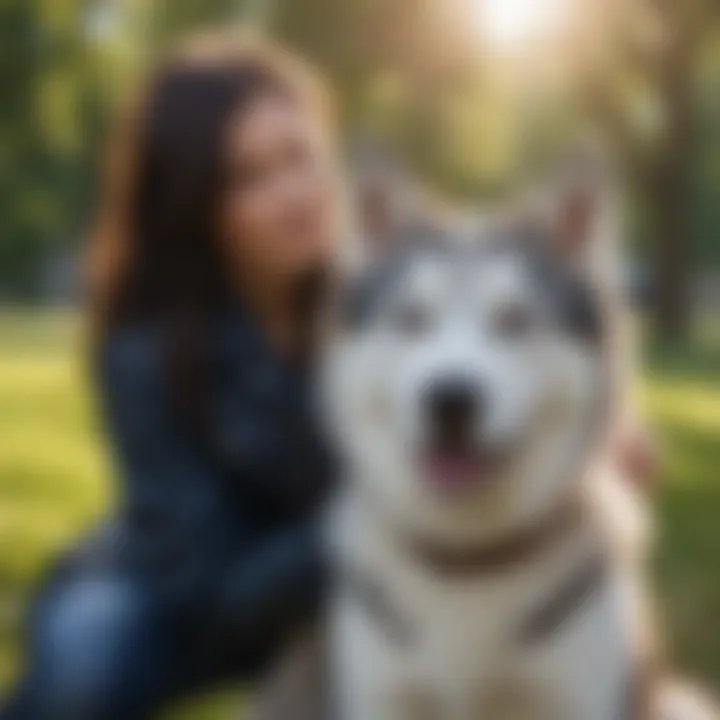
88	647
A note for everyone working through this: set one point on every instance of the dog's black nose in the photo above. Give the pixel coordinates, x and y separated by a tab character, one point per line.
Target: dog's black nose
453	404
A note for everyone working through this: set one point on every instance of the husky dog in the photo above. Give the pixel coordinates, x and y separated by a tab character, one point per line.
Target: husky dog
487	567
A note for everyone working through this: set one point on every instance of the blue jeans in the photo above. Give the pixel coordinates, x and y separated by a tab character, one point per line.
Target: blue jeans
97	648
109	640
106	647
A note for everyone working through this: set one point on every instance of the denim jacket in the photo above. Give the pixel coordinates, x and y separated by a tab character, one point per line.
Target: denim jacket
227	528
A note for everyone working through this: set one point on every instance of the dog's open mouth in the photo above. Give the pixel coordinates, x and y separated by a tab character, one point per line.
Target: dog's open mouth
453	469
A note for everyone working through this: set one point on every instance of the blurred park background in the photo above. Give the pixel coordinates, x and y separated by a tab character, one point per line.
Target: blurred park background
475	95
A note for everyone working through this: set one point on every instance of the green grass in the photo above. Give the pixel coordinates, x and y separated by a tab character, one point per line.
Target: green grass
682	392
54	479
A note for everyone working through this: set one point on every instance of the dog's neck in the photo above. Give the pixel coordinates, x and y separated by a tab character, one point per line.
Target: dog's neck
505	552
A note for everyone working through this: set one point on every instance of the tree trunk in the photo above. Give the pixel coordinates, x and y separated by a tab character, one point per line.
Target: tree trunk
669	187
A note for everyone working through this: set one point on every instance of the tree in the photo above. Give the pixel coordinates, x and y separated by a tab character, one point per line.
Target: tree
42	123
419	73
663	169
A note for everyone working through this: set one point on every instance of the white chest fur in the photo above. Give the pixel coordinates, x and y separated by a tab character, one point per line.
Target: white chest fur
462	655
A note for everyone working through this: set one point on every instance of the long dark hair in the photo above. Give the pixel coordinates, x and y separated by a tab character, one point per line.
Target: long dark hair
154	255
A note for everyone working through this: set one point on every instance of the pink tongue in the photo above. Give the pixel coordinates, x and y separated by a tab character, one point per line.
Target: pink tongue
454	472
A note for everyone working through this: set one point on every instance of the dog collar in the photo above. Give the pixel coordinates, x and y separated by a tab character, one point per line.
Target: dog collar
472	561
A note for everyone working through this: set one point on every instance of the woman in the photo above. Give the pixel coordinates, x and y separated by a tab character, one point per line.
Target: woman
214	240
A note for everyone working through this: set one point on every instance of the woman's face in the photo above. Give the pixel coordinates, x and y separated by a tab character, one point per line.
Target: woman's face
278	206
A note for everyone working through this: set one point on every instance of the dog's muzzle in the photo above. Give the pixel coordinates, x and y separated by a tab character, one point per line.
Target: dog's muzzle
454	407
455	459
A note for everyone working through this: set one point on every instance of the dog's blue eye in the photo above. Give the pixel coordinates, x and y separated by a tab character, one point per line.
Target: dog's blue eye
513	321
412	319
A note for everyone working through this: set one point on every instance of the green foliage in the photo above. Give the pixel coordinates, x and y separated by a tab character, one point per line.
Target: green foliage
45	126
470	118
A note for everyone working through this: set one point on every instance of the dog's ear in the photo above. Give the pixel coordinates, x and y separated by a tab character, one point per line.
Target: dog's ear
383	199
575	211
576	218
580	204
380	204
587	225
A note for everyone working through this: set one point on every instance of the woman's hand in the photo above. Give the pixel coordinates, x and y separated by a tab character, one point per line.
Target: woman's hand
639	457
